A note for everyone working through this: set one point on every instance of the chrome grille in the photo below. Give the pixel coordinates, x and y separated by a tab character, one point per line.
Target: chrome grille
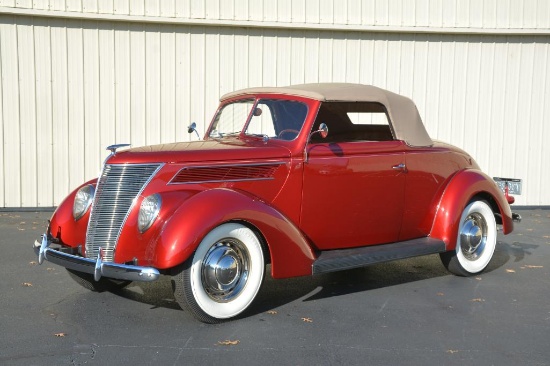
116	190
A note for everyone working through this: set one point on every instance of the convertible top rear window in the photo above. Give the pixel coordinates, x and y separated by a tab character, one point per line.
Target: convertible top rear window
353	121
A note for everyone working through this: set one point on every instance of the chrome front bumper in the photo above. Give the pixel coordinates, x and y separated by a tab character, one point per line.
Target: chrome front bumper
96	267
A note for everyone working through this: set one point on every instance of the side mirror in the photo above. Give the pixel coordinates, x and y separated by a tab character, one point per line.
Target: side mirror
323	131
193	127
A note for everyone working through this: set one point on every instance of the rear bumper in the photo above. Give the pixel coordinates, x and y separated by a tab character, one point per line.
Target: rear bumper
96	267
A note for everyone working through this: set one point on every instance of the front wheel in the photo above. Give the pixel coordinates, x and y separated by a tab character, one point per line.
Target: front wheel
476	241
223	276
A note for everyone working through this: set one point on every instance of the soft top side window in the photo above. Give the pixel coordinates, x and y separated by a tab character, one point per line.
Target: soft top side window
353	121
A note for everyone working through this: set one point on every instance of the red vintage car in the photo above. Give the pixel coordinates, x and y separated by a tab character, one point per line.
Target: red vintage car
311	178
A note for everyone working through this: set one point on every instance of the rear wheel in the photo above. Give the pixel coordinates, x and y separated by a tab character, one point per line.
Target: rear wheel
476	241
87	281
223	276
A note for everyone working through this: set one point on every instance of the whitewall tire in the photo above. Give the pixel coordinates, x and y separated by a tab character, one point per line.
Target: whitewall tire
475	243
223	276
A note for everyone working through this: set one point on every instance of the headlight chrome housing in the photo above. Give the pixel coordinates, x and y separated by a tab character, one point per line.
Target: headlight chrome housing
83	200
148	211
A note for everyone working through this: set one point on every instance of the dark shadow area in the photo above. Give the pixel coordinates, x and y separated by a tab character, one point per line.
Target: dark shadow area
158	294
278	292
506	252
275	293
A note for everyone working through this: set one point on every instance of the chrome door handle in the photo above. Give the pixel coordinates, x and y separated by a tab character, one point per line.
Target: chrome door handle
401	166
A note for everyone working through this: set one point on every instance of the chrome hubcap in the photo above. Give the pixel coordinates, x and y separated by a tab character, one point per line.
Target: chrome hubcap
225	270
473	236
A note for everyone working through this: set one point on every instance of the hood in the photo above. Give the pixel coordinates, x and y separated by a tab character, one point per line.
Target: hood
198	151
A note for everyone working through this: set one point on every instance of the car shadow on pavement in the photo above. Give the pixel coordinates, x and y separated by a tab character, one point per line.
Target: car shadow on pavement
279	292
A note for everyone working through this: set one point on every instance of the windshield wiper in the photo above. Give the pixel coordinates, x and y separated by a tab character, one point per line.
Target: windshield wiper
264	137
219	135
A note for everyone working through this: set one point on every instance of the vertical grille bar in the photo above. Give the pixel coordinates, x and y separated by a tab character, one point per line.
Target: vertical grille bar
117	188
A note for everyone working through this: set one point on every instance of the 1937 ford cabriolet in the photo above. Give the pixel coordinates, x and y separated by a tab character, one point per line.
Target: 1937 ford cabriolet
311	178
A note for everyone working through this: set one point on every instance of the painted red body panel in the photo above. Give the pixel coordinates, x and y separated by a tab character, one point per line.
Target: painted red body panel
352	195
347	194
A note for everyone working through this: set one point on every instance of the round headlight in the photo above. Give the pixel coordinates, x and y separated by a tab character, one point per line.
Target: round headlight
148	211
83	201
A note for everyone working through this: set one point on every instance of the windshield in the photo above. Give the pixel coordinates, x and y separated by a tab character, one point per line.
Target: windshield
272	118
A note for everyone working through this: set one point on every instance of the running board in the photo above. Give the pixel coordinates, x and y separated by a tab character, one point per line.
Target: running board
342	259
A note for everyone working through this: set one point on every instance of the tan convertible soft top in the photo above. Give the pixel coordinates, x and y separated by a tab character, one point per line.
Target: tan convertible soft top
406	122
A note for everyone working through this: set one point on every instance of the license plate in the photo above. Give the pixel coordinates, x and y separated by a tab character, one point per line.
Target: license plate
514	185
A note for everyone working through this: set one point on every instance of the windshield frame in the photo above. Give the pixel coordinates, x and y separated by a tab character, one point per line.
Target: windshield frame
257	99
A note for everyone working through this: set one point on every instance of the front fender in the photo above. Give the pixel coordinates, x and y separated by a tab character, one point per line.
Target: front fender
462	188
63	227
290	252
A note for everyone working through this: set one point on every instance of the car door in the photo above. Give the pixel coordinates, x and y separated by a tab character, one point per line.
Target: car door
353	193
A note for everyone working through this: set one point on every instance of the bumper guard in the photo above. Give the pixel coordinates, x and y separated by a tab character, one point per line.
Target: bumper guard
96	267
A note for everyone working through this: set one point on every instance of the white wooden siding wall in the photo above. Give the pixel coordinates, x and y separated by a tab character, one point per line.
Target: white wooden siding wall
499	14
70	87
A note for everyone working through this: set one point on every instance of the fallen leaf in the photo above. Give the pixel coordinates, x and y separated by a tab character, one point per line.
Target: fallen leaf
60	334
307	320
511	271
451	351
530	266
227	342
33	263
272	312
27	284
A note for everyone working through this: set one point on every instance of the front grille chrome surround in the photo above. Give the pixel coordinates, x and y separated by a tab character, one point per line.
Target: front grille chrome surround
117	189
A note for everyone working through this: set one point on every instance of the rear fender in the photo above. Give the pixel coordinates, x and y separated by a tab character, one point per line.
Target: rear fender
461	190
291	255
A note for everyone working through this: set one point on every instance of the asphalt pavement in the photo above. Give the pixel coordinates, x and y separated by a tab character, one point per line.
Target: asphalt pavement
410	312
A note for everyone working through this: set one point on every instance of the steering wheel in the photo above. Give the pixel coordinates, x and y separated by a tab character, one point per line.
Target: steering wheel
288	130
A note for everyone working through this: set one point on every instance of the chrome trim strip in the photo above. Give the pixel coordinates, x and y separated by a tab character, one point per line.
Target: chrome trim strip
96	267
224	180
224	166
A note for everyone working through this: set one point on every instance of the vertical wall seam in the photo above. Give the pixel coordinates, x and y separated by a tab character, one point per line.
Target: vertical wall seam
36	137
68	133
145	94
99	105
19	110
51	140
2	118
83	147
545	94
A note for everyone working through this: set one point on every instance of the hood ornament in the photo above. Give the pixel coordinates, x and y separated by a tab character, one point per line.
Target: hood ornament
114	148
